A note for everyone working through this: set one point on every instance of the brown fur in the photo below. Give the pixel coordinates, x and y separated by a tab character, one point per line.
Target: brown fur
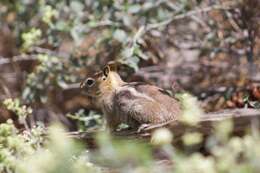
131	103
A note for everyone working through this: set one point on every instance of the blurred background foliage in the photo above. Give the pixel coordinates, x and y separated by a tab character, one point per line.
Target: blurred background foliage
208	48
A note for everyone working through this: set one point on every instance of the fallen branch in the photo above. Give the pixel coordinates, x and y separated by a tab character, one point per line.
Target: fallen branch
17	58
242	119
31	57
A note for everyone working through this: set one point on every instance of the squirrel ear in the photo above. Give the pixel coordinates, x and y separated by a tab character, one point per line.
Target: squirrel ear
113	65
106	70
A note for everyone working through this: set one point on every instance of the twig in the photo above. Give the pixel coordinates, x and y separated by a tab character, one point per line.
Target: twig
31	57
232	22
106	23
17	58
138	34
201	22
223	6
5	87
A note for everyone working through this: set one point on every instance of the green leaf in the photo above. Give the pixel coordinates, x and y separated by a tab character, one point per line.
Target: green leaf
133	62
134	8
120	35
76	6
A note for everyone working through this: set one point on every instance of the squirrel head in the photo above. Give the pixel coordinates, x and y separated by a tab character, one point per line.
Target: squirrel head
103	82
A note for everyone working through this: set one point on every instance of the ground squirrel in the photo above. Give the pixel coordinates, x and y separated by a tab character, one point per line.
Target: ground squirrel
134	104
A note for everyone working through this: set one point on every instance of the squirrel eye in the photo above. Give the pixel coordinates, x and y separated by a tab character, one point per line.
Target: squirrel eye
104	78
90	82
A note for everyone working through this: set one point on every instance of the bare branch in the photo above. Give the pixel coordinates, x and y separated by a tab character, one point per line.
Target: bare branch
242	118
224	6
17	58
31	57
